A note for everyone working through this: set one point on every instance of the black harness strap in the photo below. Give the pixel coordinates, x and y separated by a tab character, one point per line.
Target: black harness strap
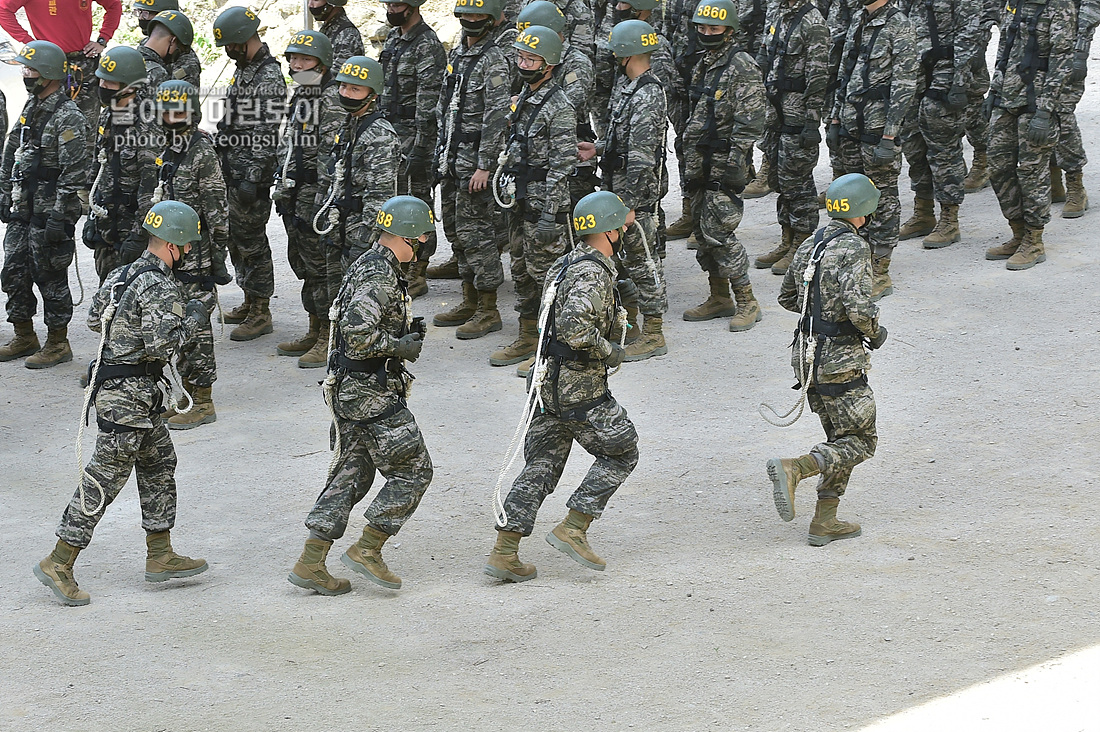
710	143
347	204
861	53
390	59
613	159
521	169
1032	62
938	52
777	90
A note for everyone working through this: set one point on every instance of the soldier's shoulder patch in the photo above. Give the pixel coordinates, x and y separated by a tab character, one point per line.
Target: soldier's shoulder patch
597	301
67	135
179	74
496	80
571	77
177	310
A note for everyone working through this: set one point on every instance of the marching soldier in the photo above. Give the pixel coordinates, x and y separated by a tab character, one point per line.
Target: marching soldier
186	64
337	27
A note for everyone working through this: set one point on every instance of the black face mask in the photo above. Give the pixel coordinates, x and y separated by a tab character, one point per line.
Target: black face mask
530	77
143	24
176	126
34	85
319	13
352	105
106	96
398	19
177	265
236	54
475	28
628	14
709	43
173	56
617	245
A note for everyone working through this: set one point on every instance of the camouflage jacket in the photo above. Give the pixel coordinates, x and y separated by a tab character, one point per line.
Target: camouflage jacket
155	68
186	67
313	121
609	72
413	64
634	150
794	59
752	15
542	139
1052	28
840	16
148	326
726	117
1088	15
672	19
946	55
373	305
472	108
583	316
580	24
878	74
128	145
47	153
345	37
188	171
845	282
248	132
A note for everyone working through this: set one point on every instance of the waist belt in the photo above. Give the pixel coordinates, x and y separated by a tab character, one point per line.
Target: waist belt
832	329
560	350
359	365
113	427
463	137
533	216
868	139
579	412
205	282
407	111
110	371
306	177
835	390
385	414
790	129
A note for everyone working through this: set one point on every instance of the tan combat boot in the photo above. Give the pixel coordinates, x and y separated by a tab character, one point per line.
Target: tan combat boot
418	282
365	557
682	227
570	538
200	413
504	561
461	312
922	222
485	320
759	187
1077	200
826	527
303	344
446	271
56	350
522	348
947	228
652	342
317	357
310	572
978	177
785	474
56	572
161	563
767	260
257	323
1057	190
718	305
525	367
748	309
237	315
1008	248
881	284
24	343
1030	253
797	237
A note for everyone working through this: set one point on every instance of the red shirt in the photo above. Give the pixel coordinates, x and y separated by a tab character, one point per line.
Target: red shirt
68	23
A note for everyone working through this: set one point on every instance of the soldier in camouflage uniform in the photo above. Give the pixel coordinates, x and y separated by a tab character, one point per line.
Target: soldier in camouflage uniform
125	148
186	65
674	23
187	170
45	164
144	319
366	388
472	111
170	37
314	120
247	139
726	118
839	317
794	61
345	37
414	64
977	126
878	77
359	173
948	32
540	155
573	400
633	164
580	24
1069	151
1032	76
840	15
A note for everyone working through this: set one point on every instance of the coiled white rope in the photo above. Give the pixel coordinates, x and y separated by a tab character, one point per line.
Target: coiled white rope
805	357
326	207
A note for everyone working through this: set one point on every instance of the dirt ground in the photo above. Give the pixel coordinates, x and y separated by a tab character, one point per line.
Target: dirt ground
978	555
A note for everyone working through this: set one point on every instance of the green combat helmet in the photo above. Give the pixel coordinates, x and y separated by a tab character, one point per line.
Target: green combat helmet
717	12
598	213
312	43
175	222
540	41
492	8
44	57
632	38
541	12
151	8
642	4
177	24
121	64
851	196
235	25
362	71
177	95
410	3
405	216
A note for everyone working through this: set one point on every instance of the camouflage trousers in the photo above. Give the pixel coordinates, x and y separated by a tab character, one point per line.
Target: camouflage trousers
472	233
977	126
195	360
30	260
107	260
307	258
87	97
1069	152
393	447
850	434
418	182
854	156
647	272
532	259
792	176
1020	170
720	253
248	245
607	434
116	454
932	143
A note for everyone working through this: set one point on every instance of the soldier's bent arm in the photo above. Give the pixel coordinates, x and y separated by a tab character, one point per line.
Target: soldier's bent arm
903	82
968	24
10	144
163	325
1063	36
816	67
788	292
360	324
580	302
854	276
493	76
430	67
562	128
72	159
647	123
745	90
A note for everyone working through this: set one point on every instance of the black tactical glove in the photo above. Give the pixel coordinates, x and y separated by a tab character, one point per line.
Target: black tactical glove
1038	129
408	347
5	209
546	230
248	192
810	138
197	310
885	152
957	98
615	358
876	343
833	136
420	327
987	106
55	230
88	234
218	268
628	292
1080	63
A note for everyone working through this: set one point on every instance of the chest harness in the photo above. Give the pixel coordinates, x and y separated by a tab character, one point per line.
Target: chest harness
516	175
455	88
232	176
28	173
860	54
295	171
341	169
775	57
938	52
1032	62
117	206
709	143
